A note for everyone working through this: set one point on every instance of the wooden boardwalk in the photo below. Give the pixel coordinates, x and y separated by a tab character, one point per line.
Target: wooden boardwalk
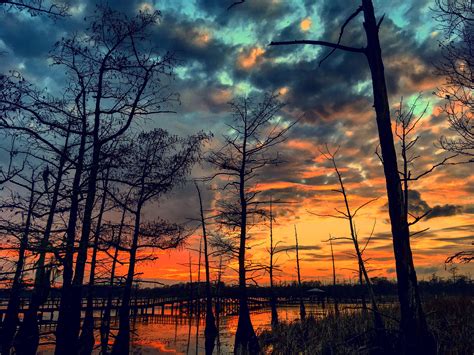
171	306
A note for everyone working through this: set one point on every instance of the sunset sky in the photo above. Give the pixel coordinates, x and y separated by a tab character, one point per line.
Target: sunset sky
225	54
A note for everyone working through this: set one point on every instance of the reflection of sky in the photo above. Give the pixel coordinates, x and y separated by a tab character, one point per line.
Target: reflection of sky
165	338
225	53
165	335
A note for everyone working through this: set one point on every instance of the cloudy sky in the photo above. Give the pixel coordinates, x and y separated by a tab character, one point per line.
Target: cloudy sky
225	54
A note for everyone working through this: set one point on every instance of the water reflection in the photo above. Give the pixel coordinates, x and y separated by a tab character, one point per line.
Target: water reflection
157	336
180	334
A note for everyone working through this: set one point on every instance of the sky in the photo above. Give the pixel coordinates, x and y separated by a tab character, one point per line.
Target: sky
225	54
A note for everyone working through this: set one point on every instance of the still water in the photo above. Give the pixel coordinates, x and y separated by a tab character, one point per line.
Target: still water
182	335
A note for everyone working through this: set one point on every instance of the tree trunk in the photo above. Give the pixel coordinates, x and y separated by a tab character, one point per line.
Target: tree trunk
27	339
122	340
270	272
10	322
246	341
300	289
361	282
336	301
211	330
86	340
65	339
105	324
416	337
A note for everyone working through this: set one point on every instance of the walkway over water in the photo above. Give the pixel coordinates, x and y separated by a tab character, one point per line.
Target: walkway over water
164	306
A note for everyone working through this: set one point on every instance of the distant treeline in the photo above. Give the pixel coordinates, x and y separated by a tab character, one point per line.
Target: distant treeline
383	287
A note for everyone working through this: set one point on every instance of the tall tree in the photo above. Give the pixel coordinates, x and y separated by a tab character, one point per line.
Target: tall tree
334	281
255	131
116	232
210	332
156	162
11	320
86	340
349	215
298	271
416	336
271	268
50	128
120	78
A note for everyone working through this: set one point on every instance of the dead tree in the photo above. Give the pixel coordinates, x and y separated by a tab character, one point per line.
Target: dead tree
210	331
415	334
272	251
11	319
27	338
116	233
86	340
120	80
405	131
157	162
334	281
456	19
246	151
300	288
349	216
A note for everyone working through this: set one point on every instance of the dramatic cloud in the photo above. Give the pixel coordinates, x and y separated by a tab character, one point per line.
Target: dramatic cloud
223	54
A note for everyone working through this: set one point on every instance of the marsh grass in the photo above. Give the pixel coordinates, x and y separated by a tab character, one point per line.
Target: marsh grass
450	320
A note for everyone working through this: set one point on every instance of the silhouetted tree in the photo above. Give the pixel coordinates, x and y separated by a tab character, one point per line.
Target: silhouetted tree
155	164
23	230
118	78
334	281
271	268
405	130
348	215
86	340
47	122
114	240
210	332
302	307
415	333
27	338
246	151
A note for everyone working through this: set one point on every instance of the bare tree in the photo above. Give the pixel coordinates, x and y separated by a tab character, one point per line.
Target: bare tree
156	163
86	340
118	80
415	333
271	269
116	232
300	288
27	338
211	330
246	151
405	131
456	18
334	281
10	323
349	216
